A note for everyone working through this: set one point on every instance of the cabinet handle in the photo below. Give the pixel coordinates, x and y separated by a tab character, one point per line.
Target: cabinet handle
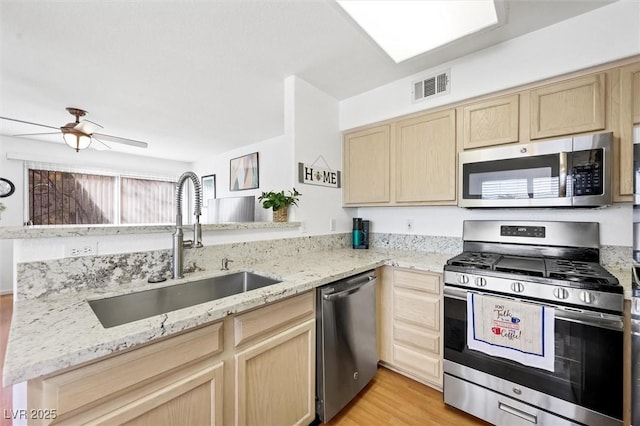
345	293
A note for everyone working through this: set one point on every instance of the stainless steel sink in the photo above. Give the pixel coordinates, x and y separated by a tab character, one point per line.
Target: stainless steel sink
117	310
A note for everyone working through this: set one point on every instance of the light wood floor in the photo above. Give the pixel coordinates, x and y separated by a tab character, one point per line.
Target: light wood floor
6	308
392	399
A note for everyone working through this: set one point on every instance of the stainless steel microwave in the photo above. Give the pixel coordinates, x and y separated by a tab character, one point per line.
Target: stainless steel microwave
569	172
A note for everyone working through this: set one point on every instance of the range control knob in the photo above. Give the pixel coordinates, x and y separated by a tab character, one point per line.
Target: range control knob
517	287
481	282
560	293
587	297
463	279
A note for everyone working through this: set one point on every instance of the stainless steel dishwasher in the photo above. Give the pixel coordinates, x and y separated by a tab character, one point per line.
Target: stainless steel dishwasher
346	347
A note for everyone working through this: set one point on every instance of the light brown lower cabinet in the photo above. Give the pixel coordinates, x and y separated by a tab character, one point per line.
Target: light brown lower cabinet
205	376
275	379
410	323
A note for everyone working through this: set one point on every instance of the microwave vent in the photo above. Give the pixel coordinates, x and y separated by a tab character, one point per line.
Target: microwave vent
431	86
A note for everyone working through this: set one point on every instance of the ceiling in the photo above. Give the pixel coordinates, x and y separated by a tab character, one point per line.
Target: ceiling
198	78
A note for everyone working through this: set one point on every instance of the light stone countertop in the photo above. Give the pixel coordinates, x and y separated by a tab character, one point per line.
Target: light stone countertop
55	231
52	333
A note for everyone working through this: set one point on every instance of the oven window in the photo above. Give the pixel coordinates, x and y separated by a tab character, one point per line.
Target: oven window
588	363
530	177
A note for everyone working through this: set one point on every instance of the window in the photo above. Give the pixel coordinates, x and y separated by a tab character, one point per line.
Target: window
74	198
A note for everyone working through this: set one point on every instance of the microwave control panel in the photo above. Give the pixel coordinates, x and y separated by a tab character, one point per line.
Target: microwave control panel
586	173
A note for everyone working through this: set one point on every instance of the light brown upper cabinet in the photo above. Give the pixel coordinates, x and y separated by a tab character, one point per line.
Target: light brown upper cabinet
573	106
425	158
635	90
366	166
629	96
491	122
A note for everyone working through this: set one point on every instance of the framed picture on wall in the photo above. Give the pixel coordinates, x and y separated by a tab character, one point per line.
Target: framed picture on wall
208	188
243	172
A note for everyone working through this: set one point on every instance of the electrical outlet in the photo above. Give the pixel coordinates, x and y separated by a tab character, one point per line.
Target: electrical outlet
409	225
77	249
332	224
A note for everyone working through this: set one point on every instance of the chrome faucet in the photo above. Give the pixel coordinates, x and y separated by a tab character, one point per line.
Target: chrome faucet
179	243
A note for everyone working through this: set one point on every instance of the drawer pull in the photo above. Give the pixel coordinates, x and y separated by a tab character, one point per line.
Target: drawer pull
518	413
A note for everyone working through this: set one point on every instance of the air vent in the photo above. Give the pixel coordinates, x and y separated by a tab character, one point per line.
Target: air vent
431	86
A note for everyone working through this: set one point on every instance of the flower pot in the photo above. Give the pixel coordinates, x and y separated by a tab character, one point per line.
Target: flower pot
280	215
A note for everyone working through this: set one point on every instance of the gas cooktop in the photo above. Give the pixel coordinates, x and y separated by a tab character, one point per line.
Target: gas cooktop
572	273
555	262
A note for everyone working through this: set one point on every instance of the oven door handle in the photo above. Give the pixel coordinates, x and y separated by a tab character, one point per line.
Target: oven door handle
578	316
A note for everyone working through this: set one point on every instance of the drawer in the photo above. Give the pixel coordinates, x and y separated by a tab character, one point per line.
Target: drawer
416	308
426	366
416	337
82	386
420	281
260	321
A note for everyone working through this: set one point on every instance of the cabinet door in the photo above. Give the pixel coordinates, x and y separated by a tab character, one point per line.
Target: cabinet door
416	336
192	395
366	166
196	400
384	312
629	116
491	122
573	106
425	152
275	379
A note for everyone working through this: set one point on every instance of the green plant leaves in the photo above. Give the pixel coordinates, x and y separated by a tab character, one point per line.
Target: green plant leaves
278	200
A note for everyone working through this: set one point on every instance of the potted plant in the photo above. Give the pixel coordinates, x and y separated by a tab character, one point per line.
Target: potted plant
279	202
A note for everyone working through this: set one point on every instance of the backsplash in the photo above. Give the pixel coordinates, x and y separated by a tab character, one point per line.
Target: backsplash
109	272
422	243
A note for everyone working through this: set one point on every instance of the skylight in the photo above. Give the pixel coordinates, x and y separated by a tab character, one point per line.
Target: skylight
405	29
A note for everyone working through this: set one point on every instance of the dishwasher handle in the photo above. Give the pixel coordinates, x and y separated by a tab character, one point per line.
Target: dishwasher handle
359	284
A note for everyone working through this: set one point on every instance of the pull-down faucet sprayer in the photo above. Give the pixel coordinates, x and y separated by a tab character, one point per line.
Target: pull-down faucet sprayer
178	237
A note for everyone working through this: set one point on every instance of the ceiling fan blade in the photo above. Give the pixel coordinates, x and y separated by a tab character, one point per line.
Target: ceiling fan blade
87	126
124	141
38	134
104	145
28	122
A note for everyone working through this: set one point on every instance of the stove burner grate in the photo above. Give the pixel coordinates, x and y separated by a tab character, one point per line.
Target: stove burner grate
571	271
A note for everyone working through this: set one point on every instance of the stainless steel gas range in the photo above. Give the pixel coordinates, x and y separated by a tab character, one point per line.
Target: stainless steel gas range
526	273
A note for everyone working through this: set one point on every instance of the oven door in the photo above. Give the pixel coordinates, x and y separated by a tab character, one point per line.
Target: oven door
516	176
588	363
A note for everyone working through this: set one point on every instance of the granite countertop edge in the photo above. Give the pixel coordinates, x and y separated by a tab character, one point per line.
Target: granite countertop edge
56	231
34	351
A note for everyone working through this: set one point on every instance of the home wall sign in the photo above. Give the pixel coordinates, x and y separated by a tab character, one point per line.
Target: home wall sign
312	174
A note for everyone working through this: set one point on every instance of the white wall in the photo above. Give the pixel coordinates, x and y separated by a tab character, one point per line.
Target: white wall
315	134
600	36
310	130
273	154
615	221
46	152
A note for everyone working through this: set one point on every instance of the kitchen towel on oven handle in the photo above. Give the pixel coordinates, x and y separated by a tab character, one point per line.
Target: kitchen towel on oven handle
519	331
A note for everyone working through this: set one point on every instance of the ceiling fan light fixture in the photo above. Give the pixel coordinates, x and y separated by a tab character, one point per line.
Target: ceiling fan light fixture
77	141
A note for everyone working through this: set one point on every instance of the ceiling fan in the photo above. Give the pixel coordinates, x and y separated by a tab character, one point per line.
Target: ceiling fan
79	134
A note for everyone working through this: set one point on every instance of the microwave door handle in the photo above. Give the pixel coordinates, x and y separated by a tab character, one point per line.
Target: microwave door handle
562	174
